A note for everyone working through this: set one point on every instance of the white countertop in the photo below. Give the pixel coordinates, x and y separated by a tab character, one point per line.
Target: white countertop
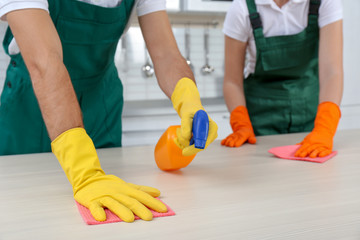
242	193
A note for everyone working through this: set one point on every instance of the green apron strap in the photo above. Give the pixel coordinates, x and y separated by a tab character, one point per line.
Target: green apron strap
314	12
251	6
129	5
256	23
314	7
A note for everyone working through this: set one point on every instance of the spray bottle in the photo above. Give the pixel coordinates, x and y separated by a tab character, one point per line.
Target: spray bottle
168	156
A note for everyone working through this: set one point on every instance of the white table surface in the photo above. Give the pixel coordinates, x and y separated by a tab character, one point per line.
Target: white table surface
241	193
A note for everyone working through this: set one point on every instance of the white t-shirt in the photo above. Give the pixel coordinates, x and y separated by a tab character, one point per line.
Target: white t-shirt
143	7
291	18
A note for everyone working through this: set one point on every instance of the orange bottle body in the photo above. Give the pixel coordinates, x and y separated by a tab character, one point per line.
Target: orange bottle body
168	156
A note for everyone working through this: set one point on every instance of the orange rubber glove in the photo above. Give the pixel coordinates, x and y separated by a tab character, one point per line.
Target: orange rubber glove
319	142
242	128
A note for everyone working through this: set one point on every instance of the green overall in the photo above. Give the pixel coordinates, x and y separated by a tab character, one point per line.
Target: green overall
282	93
89	35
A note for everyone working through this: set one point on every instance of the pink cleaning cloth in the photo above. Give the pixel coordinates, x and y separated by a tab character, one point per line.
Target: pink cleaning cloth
288	152
111	217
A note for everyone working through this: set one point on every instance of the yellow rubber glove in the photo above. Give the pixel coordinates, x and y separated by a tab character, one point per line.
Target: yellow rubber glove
93	188
319	142
242	128
186	102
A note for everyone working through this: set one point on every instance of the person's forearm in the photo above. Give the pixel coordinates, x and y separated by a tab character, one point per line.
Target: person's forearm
169	64
57	98
331	88
331	74
41	49
233	95
233	86
169	70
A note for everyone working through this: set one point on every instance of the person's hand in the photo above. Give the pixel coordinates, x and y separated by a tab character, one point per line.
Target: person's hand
93	188
186	102
123	199
242	128
319	142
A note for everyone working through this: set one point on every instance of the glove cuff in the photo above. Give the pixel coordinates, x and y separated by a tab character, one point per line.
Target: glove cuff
327	117
239	118
77	155
185	90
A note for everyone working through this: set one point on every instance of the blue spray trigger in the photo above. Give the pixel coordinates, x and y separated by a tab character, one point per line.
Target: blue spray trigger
200	129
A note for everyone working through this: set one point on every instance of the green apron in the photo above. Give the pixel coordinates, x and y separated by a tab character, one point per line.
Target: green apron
89	35
282	93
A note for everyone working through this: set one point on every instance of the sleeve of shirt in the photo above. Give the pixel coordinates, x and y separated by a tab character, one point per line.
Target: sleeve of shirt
236	24
7	6
148	6
330	11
